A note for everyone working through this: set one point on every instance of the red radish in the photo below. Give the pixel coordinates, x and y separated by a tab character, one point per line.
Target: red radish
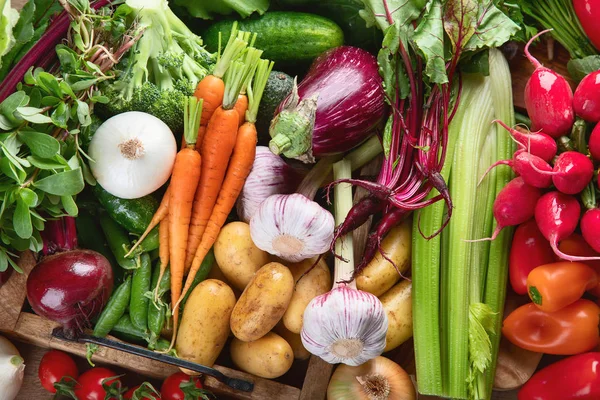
70	288
514	205
557	215
522	165
586	100
588	13
537	143
548	98
572	172
590	228
594	143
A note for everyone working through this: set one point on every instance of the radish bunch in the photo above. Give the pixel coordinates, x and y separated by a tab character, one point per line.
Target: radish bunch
550	188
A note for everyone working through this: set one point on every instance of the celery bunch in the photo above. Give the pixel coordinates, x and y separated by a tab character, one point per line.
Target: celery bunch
459	286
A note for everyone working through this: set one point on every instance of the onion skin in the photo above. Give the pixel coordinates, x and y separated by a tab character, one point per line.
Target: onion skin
70	288
350	102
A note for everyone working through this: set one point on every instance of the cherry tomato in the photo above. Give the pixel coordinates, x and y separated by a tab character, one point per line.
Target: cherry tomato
91	385
570	330
129	394
171	390
54	366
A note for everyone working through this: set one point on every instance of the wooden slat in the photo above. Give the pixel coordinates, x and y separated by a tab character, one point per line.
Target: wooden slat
13	293
36	330
316	380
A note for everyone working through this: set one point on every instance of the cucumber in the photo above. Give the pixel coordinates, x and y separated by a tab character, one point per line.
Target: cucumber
279	85
287	38
132	214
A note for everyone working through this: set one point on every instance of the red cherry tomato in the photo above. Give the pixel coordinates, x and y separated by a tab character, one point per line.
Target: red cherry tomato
171	386
54	366
91	385
129	394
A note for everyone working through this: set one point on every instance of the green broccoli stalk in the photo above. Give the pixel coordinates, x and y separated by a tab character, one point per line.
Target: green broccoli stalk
162	69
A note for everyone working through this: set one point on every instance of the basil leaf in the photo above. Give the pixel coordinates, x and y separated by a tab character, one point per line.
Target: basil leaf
45	164
29	197
22	220
65	183
41	144
580	67
69	205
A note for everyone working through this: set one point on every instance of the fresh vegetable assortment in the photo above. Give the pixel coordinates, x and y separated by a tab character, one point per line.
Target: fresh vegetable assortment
271	180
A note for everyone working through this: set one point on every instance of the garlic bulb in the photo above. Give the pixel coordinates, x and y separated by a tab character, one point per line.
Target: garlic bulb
345	325
133	154
292	227
12	370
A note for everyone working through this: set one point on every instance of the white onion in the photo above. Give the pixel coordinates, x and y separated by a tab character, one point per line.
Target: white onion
270	175
12	370
133	154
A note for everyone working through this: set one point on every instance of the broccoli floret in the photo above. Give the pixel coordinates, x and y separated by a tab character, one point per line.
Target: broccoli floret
161	69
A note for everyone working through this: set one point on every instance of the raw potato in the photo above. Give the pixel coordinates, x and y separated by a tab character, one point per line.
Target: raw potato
397	303
380	275
316	282
263	302
216	273
294	340
204	325
268	357
237	256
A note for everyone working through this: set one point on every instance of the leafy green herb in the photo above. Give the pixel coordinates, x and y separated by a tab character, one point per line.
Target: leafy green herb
207	9
580	67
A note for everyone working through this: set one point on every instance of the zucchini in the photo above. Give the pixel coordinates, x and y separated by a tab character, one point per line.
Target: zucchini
132	214
279	85
287	38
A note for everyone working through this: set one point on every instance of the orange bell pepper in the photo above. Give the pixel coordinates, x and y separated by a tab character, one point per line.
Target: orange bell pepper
571	330
577	246
554	286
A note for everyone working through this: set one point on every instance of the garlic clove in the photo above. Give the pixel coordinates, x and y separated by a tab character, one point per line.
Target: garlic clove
292	227
345	325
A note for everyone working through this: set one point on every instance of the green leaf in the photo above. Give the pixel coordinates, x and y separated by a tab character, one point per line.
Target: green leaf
429	38
83	113
476	63
32	114
69	205
580	67
9	169
64	86
84	84
12	102
16	161
8	19
494	28
41	144
87	174
67	58
481	324
65	183
3	261
29	197
49	83
460	20
387	136
22	220
206	9
403	12
390	68
45	164
50	101
60	116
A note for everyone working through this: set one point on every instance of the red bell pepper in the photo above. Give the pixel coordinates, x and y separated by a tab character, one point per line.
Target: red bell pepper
574	378
570	330
588	13
529	249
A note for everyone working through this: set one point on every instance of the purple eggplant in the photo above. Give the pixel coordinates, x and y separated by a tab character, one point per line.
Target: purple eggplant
335	108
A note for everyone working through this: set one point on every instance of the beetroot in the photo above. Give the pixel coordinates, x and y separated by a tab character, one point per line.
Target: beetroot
537	143
557	215
590	228
70	288
594	143
586	100
548	98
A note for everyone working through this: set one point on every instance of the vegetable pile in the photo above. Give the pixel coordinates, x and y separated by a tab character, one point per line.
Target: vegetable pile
257	182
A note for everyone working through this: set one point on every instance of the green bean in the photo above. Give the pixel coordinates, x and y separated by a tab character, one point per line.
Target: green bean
157	309
114	310
140	285
125	330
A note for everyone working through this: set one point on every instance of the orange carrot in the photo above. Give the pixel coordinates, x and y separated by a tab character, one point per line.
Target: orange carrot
210	89
184	181
163	251
201	133
161	212
241	105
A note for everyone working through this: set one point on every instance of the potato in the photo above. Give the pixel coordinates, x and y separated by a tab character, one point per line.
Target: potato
204	325
397	303
237	256
294	340
268	357
316	282
380	275
216	273
263	302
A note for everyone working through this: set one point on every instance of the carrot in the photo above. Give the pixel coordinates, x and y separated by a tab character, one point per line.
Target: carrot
163	251
237	172
241	106
184	181
161	212
210	89
219	141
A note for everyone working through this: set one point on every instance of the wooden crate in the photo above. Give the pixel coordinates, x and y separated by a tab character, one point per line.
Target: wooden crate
310	384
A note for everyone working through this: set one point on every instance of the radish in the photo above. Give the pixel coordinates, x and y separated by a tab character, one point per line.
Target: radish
590	228
557	215
548	98
522	164
594	143
572	172
586	100
514	205
538	143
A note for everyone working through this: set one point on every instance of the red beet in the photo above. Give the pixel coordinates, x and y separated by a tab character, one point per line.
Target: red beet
557	215
548	98
70	288
594	143
537	143
586	100
590	228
